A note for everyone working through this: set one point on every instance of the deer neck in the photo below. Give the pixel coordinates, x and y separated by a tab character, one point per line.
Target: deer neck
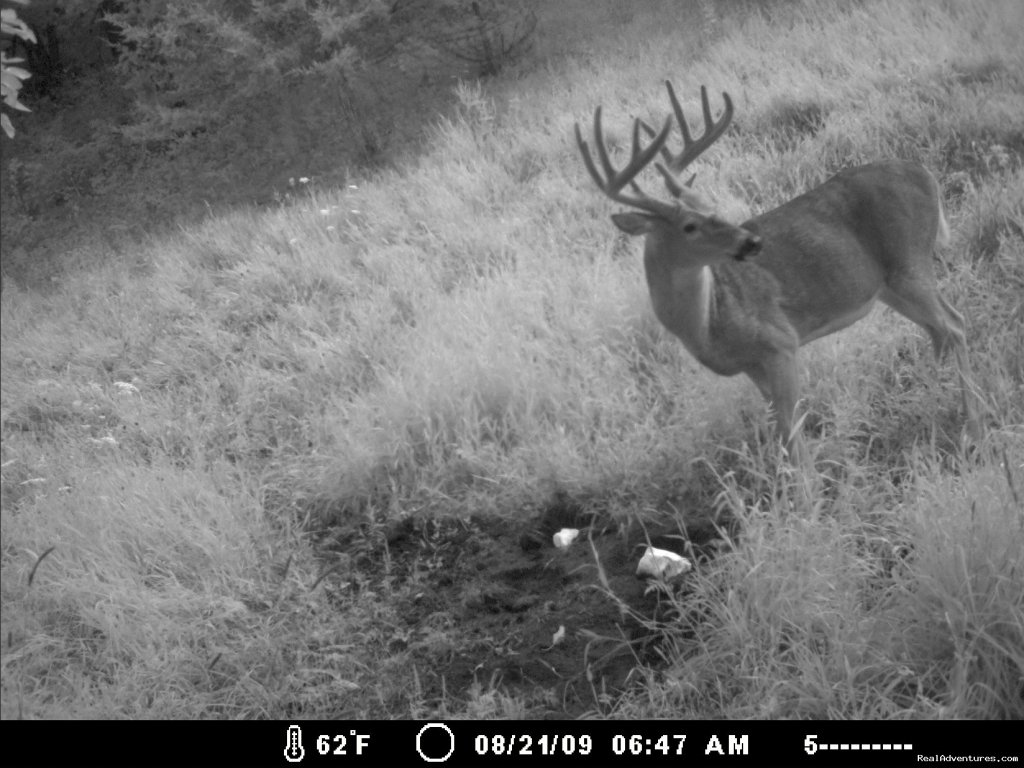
683	300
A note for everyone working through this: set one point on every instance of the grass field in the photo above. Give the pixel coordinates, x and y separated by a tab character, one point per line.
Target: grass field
307	462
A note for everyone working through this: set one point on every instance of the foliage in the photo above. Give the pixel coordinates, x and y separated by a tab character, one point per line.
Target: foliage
489	34
137	105
196	66
71	39
11	76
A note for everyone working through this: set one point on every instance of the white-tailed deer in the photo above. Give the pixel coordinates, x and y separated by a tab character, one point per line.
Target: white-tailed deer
821	261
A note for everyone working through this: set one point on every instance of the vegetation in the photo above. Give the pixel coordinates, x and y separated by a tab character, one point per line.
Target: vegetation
148	111
11	76
306	461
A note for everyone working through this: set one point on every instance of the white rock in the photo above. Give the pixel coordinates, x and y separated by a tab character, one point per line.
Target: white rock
662	564
565	537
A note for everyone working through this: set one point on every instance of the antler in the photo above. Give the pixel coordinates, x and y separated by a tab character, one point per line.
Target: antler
614	180
692	149
712	130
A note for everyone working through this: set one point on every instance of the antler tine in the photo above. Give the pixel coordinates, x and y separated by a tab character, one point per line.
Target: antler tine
692	149
602	151
613	181
585	151
674	187
652	133
680	117
670	181
636	149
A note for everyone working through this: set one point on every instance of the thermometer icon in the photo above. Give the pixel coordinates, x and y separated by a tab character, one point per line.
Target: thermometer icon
294	752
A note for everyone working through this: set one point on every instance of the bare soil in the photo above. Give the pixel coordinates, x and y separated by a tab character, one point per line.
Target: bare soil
478	604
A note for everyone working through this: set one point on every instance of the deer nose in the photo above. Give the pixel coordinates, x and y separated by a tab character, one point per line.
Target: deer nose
749	247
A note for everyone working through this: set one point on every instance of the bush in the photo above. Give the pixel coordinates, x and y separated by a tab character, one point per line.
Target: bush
11	77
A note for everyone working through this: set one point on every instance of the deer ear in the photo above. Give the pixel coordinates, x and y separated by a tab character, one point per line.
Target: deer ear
633	223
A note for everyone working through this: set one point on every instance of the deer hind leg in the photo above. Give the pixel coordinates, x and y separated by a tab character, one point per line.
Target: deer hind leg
922	303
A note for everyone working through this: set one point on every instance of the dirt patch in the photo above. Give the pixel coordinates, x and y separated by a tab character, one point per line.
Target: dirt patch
481	601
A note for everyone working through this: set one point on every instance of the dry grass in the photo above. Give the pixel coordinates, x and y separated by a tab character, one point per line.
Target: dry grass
466	334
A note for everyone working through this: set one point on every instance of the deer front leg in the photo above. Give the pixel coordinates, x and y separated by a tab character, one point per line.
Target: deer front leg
778	378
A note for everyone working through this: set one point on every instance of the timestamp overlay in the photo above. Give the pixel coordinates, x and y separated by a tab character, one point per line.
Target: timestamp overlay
512	743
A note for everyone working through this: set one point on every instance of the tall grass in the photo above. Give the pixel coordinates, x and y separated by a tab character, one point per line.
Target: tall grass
467	334
885	603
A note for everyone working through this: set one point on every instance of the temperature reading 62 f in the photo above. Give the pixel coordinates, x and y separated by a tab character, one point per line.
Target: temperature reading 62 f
341	744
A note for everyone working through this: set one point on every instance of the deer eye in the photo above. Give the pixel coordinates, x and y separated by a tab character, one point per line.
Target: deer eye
689	227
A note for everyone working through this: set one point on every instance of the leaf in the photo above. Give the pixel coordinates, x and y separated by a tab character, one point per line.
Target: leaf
18	72
10	24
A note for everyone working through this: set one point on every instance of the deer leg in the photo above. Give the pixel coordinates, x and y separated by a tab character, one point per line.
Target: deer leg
968	393
926	307
778	378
